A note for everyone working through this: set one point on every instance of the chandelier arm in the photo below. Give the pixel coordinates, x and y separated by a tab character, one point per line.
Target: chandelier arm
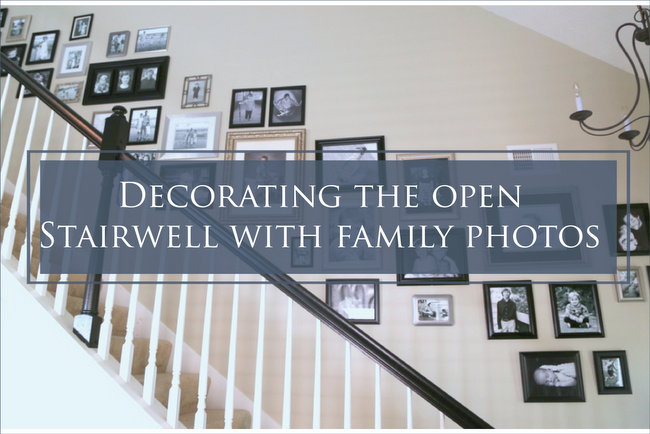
582	126
646	136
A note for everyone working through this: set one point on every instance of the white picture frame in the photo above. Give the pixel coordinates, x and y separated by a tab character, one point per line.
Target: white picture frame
433	309
192	133
633	291
74	59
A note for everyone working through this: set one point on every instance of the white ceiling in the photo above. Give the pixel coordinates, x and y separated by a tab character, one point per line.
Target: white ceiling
588	28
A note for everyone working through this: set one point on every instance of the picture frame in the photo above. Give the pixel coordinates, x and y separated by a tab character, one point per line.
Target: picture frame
125	80
3	16
74	59
576	310
118	43
18	28
15	53
291	142
433	309
639	230
302	257
69	92
81	26
357	300
551	376
354	150
633	291
42	47
612	373
287	106
192	133
99	119
192	173
43	76
148	82
248	108
143	125
152	39
510	310
196	91
433	266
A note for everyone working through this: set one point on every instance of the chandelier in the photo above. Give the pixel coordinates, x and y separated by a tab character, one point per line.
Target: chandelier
640	34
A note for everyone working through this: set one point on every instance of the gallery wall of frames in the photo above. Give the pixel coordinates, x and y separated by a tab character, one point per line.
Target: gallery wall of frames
557	342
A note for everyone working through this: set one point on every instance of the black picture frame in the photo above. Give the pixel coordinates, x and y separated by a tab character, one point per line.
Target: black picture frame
302	257
81	25
450	260
16	53
639	230
581	318
248	108
42	47
3	16
551	376
287	106
141	130
125	80
498	310
192	174
612	374
357	300
43	76
138	92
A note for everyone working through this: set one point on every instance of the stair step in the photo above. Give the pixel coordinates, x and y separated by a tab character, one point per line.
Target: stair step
141	353
241	419
189	386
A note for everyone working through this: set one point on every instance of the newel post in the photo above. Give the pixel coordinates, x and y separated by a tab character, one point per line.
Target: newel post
86	325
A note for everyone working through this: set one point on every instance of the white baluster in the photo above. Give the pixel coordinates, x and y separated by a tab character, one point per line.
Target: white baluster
126	357
259	361
10	231
174	400
409	410
286	399
106	329
317	368
441	417
201	415
150	372
22	261
377	397
347	398
5	91
229	408
10	142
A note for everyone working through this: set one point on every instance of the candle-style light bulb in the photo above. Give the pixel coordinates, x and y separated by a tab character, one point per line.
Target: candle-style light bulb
576	89
627	124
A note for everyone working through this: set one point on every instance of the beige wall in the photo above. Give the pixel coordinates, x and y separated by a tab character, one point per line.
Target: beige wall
425	78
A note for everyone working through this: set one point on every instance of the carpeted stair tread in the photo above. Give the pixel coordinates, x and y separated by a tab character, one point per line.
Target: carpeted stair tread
189	386
214	420
141	353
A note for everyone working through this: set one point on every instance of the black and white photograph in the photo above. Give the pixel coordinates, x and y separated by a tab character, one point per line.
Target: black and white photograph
145	157
427	171
191	174
148	78
552	376
3	16
99	119
433	309
81	26
42	47
347	256
196	91
247	108
15	53
355	299
630	286
125	80
612	374
144	124
633	230
302	256
43	76
18	28
69	92
576	310
74	59
287	106
355	161
118	43
152	39
193	134
510	310
102	83
423	265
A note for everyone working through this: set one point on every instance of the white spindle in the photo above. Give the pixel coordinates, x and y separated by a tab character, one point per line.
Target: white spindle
10	231
347	389
5	91
441	417
286	399
317	369
259	361
22	262
174	400
106	329
409	410
126	357
377	397
10	142
229	408
150	372
201	415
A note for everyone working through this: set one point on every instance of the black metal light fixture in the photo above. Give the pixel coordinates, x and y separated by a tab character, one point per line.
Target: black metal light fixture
641	34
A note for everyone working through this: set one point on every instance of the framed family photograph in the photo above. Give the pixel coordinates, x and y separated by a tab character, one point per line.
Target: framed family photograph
287	106
42	47
15	53
192	174
509	310
630	286
551	376
353	158
289	144
118	43
247	108
81	26
612	374
633	230
346	258
433	309
3	16
356	300
69	92
192	134
18	28
143	125
74	59
42	76
152	39
302	256
196	91
99	119
576	310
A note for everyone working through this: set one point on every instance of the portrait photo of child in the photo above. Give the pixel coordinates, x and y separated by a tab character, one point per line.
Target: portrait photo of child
576	310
